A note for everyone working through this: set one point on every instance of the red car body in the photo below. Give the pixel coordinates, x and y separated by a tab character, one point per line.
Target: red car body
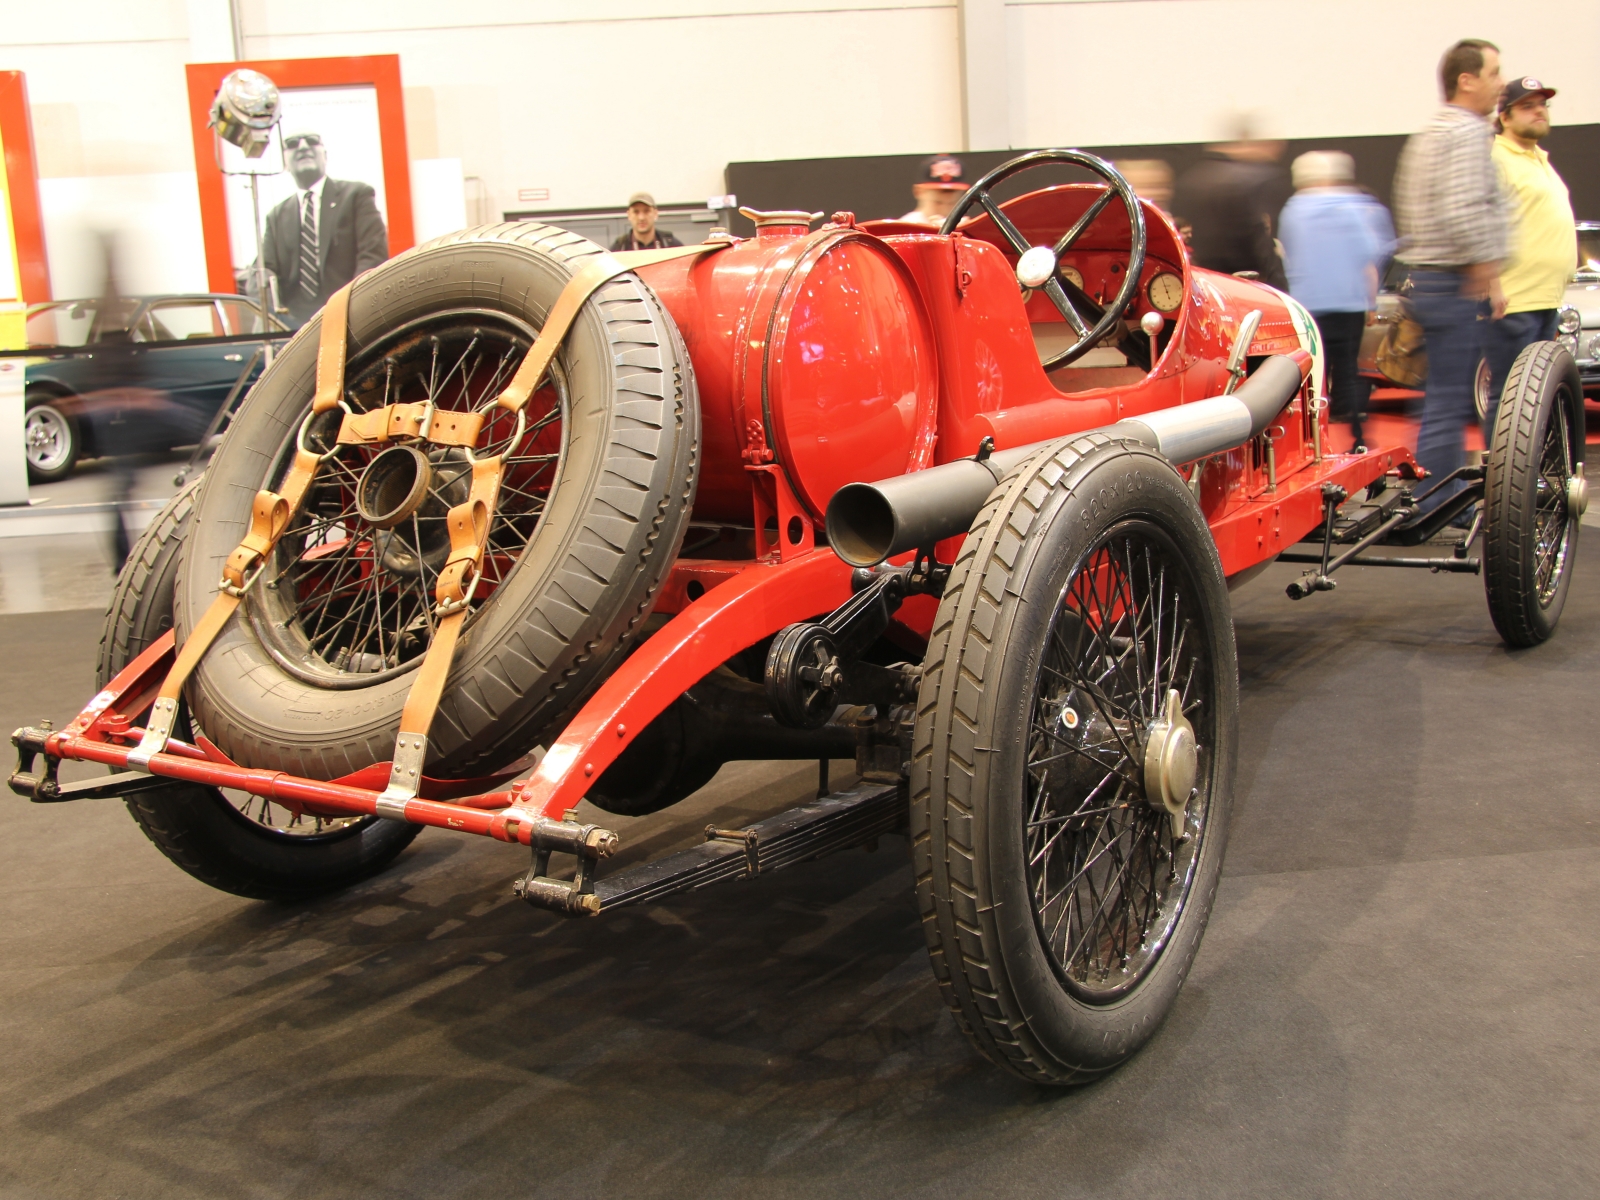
854	353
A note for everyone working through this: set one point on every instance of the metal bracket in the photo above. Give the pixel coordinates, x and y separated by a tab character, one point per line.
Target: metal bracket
157	732
405	776
748	838
587	843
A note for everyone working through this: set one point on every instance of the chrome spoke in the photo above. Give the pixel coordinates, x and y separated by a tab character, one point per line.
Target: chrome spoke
347	603
1106	873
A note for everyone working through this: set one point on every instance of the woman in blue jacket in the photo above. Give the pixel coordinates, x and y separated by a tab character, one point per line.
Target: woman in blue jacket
1336	240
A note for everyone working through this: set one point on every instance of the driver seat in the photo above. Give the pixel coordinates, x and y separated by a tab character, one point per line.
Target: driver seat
1102	367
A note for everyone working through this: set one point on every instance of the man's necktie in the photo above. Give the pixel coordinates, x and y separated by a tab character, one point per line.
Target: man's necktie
310	275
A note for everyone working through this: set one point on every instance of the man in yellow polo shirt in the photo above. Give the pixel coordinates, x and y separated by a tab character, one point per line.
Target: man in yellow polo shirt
1544	240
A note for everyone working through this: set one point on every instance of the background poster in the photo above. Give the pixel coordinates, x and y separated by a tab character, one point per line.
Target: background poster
347	120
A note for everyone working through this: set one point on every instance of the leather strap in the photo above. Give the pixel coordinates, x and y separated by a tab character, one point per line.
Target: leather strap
440	427
469	524
579	288
270	515
331	351
469	537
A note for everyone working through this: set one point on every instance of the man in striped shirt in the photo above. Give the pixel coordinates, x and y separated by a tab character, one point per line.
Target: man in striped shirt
1453	224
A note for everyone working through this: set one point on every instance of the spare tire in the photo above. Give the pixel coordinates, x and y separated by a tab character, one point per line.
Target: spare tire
312	672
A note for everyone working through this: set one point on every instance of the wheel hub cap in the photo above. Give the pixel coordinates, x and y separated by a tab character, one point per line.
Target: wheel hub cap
1171	762
1577	493
393	486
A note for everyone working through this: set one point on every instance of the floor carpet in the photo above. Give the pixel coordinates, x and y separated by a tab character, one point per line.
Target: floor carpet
1398	994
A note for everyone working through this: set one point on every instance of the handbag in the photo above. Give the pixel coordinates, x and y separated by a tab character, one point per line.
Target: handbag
1403	354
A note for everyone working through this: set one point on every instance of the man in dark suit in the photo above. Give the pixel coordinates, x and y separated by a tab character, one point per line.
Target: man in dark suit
323	236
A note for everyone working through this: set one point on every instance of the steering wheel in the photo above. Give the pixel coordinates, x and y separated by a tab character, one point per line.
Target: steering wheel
1039	266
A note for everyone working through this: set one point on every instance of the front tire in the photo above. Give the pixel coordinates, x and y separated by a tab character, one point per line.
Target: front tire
1531	501
50	438
252	848
1062	908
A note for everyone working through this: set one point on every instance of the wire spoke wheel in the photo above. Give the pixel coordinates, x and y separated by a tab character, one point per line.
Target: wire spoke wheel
1534	494
349	600
1107	872
598	479
1552	515
1072	760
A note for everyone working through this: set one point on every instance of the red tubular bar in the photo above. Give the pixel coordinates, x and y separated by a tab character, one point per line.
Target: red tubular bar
737	613
323	799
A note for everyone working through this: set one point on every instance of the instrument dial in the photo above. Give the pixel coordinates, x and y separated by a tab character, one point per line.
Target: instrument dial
1165	292
1071	274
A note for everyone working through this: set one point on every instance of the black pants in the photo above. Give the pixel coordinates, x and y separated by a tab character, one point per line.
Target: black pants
1503	340
1348	391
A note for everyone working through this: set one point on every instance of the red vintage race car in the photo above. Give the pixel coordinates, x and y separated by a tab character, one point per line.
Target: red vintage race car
516	523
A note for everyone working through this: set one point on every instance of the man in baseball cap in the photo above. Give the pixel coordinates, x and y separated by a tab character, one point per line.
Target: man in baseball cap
1544	243
643	234
939	185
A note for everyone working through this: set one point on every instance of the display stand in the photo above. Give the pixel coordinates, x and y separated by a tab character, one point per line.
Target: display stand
13	462
24	275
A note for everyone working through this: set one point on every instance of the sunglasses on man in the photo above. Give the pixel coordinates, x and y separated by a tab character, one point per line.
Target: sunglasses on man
301	139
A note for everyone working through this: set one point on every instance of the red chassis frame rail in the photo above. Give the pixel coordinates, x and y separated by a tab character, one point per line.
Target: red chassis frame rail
755	599
758	600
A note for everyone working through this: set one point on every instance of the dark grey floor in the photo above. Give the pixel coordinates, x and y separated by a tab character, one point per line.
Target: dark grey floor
1399	994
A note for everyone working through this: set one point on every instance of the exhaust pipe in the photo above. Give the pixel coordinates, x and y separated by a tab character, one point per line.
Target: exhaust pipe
869	522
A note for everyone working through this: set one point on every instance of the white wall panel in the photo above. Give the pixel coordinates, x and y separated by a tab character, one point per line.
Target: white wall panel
111	126
1130	71
280	17
593	99
594	110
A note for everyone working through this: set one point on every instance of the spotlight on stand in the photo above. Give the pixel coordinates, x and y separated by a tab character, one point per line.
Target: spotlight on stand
244	114
245	110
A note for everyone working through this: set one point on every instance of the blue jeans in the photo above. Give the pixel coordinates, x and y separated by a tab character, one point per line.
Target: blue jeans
1502	342
1454	331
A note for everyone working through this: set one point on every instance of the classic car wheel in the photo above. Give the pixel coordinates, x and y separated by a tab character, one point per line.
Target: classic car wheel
1534	494
1480	389
599	479
49	439
1073	759
230	840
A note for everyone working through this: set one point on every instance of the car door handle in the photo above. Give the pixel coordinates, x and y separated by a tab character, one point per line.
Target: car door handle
233	358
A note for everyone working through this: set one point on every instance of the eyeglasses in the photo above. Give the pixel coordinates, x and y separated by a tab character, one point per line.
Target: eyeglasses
301	139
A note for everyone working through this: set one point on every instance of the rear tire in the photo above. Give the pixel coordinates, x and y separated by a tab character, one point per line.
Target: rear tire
1026	774
195	826
1530	529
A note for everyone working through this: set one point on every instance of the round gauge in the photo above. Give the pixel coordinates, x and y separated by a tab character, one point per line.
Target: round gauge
1071	274
1165	292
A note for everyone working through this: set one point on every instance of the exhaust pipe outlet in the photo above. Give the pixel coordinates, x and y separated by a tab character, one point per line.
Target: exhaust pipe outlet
869	522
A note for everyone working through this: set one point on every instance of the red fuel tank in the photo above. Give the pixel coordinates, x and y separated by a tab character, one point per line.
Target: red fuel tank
812	350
